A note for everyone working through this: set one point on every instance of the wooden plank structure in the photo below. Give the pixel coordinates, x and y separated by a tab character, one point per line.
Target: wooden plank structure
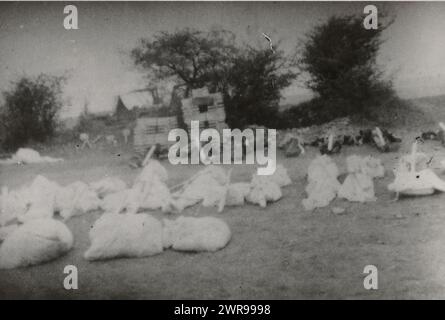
203	106
150	131
207	108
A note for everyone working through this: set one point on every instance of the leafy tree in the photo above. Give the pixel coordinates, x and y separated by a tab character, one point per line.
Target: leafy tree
30	110
255	82
340	58
193	57
251	79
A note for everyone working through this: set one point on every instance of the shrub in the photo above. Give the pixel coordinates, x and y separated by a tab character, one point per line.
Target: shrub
30	110
340	58
254	87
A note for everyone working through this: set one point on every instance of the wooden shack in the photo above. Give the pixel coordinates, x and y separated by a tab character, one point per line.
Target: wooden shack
207	108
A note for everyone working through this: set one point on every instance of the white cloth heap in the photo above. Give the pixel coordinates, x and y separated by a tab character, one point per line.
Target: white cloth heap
212	187
208	186
149	192
29	156
76	199
141	235
196	234
412	176
42	198
359	185
263	189
237	193
34	242
322	185
124	235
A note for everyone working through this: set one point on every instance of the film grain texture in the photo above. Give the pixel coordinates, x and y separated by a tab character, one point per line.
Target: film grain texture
222	150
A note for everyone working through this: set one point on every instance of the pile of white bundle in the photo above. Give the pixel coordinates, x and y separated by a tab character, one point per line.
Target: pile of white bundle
412	162
148	192
40	198
237	193
423	182
107	186
152	168
359	185
412	176
12	205
34	242
156	195
124	235
212	186
214	195
76	199
28	156
323	184
195	234
154	191
280	176
262	190
208	186
141	235
372	167
118	201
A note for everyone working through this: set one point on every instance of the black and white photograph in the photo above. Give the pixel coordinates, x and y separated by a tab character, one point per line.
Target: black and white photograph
194	150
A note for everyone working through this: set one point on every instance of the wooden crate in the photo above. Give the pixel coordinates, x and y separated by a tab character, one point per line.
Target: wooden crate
213	117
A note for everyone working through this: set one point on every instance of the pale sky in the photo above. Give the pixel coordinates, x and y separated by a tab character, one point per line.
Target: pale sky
33	40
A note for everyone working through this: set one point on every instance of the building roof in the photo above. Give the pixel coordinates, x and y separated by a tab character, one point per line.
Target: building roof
139	99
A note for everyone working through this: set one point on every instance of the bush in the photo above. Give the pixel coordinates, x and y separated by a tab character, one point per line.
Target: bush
340	58
30	110
254	87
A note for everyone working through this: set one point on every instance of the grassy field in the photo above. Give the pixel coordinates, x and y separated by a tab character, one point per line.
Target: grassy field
281	252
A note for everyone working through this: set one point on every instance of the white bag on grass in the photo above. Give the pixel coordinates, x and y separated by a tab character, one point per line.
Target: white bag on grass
124	235
28	156
323	184
12	205
263	190
41	198
357	187
237	193
76	199
34	242
196	234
